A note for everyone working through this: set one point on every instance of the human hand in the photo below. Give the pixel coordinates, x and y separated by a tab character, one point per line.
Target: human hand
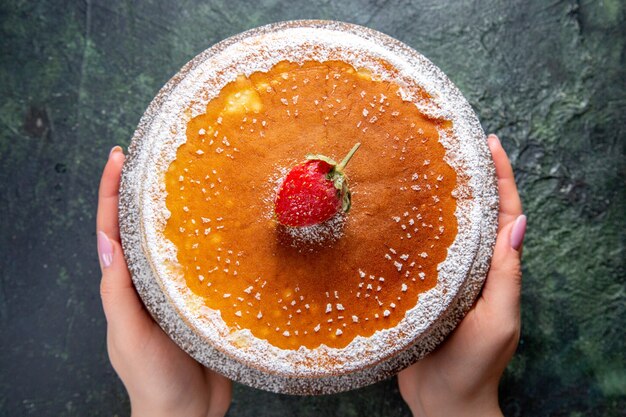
460	378
161	379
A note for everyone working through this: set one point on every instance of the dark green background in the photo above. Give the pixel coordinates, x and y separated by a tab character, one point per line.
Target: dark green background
548	77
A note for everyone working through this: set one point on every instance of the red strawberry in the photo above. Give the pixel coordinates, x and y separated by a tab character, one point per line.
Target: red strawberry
313	191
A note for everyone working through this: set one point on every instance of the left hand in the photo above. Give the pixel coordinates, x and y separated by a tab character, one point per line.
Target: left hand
161	379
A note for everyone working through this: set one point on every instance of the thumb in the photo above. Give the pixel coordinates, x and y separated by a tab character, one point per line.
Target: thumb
504	281
119	299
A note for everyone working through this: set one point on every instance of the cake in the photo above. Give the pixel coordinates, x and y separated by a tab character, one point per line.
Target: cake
325	307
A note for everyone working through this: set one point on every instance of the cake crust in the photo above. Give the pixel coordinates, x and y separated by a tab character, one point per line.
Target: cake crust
239	355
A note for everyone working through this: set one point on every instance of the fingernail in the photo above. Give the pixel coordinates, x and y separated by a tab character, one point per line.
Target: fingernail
492	138
518	232
115	149
105	250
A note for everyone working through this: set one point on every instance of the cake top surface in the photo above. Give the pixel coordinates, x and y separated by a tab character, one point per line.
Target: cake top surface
350	352
355	274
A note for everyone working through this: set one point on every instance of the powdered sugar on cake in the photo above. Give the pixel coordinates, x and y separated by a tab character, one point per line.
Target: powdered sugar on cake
237	353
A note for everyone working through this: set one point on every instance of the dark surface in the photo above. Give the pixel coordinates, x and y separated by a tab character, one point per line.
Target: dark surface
548	77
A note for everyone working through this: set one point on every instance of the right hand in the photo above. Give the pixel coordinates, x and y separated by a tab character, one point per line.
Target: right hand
460	378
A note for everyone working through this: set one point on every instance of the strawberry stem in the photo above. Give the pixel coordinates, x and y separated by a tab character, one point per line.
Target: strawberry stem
345	160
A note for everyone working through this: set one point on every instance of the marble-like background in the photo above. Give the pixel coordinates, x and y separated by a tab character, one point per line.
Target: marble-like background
547	76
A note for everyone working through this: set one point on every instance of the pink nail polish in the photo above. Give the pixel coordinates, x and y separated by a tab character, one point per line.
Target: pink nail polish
518	232
105	250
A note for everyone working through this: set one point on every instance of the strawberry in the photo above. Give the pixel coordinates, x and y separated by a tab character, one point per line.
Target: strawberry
313	191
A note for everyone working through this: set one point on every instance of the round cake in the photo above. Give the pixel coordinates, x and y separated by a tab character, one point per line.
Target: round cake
312	308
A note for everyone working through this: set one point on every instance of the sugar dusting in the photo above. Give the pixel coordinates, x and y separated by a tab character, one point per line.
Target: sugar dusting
310	237
256	362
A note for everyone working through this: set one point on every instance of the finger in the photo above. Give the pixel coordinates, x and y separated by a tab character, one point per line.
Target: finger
220	395
504	281
510	204
408	384
120	301
407	381
108	194
121	304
